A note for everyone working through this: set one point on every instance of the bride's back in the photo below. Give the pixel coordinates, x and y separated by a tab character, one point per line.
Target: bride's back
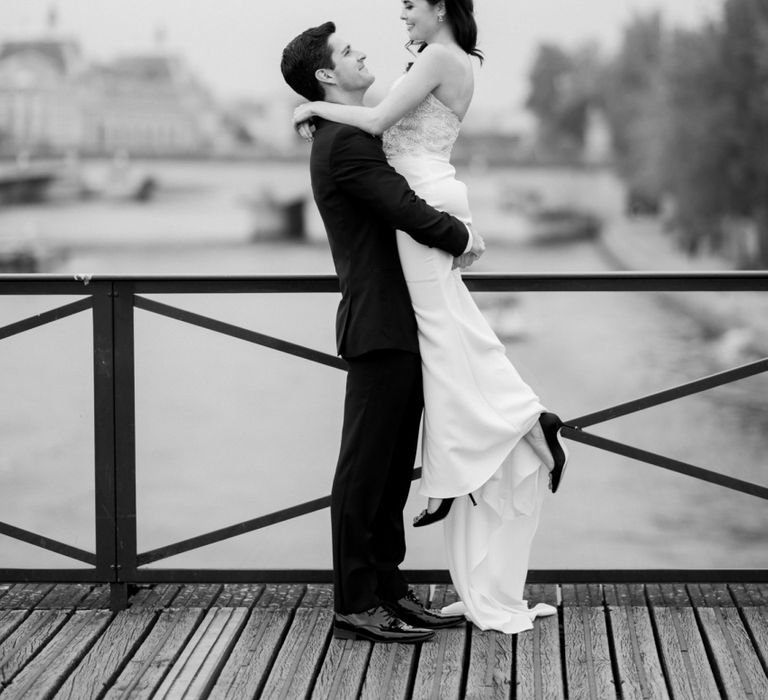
457	79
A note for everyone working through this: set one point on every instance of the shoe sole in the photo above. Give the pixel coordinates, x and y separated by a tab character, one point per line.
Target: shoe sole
356	635
437	625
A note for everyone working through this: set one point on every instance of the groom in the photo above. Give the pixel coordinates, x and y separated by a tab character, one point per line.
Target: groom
362	201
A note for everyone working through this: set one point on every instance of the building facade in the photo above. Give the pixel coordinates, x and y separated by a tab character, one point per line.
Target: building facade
42	92
52	101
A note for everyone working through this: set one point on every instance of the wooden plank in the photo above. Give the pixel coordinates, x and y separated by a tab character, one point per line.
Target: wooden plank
145	670
282	597
683	654
154	597
588	595
637	660
247	668
98	598
197	595
741	666
64	596
539	666
343	667
541	593
587	655
756	621
203	656
343	671
389	672
239	595
102	662
710	595
441	660
245	673
48	669
670	595
618	594
748	595
300	656
737	663
390	666
9	621
318	596
753	603
490	664
27	640
24	596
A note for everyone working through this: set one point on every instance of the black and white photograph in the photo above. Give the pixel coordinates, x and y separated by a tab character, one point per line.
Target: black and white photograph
384	349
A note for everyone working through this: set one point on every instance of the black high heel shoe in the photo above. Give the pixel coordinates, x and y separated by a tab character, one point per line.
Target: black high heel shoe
427	518
551	425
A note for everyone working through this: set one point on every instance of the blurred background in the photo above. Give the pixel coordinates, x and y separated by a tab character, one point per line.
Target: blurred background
156	138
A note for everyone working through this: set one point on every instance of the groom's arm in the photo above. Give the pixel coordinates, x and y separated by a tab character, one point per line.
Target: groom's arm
359	167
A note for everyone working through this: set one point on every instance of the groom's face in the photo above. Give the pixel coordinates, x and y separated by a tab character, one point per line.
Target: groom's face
349	69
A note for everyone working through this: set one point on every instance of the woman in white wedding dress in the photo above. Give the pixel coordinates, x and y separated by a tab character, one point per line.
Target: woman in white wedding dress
486	435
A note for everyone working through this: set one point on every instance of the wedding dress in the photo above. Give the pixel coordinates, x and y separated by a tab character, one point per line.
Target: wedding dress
477	408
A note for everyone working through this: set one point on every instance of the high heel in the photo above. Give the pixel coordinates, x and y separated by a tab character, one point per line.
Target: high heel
551	425
427	518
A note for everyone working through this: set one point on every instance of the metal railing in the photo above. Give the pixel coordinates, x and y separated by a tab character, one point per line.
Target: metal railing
112	302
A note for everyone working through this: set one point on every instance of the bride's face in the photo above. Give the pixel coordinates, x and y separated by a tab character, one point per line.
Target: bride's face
421	18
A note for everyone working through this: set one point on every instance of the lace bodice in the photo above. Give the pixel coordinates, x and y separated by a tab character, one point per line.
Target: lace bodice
429	129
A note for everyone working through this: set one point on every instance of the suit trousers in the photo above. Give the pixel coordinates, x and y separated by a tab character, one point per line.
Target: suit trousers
382	417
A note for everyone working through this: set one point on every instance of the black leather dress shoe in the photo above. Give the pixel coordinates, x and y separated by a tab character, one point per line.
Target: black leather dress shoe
378	624
410	609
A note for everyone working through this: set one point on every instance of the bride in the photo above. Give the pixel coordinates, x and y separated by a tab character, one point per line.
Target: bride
488	444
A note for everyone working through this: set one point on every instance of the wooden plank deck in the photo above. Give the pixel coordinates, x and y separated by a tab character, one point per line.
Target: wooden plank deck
274	641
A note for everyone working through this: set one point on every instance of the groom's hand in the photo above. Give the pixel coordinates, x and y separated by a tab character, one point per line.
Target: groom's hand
478	244
464	261
475	251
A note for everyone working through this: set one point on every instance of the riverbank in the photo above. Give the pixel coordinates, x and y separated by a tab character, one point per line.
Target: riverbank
738	319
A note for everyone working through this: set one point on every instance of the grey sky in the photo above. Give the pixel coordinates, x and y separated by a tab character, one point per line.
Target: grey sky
235	45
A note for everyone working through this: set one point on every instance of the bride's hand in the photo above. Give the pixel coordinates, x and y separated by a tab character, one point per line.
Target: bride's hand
306	130
301	116
303	113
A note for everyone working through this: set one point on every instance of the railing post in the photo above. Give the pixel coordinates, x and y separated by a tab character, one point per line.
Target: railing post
104	429
125	441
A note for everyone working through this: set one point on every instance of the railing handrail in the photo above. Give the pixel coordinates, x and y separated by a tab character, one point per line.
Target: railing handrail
736	277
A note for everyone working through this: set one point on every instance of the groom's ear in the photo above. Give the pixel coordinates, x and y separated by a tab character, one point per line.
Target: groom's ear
325	76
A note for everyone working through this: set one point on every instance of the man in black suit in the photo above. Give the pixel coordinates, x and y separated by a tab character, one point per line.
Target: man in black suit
362	201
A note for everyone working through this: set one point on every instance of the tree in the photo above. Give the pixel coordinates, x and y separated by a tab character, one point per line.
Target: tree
695	157
634	100
563	86
745	60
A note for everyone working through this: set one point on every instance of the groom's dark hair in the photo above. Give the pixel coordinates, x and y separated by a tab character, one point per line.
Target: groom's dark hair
304	55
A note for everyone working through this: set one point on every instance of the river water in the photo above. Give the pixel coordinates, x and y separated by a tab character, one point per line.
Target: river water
227	431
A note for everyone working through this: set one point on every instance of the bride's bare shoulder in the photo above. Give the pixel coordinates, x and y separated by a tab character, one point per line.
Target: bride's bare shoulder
442	58
437	52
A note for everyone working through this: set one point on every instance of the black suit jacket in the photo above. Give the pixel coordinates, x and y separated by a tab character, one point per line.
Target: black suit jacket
362	200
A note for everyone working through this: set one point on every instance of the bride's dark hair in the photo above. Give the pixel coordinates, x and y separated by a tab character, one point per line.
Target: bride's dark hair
461	15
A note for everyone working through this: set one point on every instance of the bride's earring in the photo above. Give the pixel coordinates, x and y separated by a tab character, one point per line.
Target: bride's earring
441	18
